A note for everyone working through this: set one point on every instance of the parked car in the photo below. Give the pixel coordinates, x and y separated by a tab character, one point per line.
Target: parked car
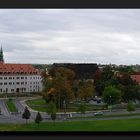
98	113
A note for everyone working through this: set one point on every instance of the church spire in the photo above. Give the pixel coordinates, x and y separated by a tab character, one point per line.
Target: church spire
1	55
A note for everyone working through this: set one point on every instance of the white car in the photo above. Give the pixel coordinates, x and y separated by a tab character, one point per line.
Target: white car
98	113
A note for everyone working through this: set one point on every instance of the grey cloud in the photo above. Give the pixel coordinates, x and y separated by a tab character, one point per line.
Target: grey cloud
70	35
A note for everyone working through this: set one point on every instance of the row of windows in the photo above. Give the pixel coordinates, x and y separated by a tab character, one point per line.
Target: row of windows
12	90
34	86
35	77
12	83
22	83
4	90
1	78
22	89
18	72
34	82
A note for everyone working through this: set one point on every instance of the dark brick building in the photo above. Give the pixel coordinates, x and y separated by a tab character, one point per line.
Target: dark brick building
82	70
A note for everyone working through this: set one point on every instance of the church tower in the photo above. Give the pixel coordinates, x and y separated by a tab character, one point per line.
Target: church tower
1	56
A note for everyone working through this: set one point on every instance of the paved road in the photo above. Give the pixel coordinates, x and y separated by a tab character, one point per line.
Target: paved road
20	105
6	117
3	107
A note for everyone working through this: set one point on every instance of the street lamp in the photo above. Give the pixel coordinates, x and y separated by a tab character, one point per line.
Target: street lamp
110	100
110	103
64	105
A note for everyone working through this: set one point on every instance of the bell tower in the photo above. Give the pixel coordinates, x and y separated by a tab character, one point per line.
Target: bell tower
1	56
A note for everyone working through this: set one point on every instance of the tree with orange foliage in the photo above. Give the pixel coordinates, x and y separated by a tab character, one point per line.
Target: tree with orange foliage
58	88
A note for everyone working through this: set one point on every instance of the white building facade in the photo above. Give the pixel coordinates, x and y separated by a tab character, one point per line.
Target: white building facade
19	78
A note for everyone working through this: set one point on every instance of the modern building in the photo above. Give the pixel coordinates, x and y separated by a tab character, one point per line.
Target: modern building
18	78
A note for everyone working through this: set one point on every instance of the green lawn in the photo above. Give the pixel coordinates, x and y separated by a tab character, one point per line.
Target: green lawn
11	106
37	104
96	125
40	105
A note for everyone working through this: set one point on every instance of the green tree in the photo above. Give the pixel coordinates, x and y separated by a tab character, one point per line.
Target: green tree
130	106
105	78
130	93
111	95
126	80
51	110
85	89
38	118
82	108
26	114
138	93
61	82
53	117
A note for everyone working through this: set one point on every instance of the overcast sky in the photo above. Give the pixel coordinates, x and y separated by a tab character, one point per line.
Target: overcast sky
70	35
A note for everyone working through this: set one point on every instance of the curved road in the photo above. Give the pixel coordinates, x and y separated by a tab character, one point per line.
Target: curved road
7	117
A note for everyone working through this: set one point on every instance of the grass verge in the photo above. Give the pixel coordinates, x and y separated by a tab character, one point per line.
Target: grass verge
109	116
40	105
96	125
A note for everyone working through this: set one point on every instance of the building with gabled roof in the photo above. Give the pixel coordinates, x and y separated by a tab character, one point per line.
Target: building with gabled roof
18	77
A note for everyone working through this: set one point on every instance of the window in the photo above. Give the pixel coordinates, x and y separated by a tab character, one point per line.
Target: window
17	83
13	77
25	77
1	83
22	77
18	78
12	90
5	78
1	78
5	83
13	83
10	77
26	83
10	83
22	83
30	82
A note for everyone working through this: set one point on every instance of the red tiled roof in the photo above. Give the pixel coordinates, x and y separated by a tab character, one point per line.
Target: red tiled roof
6	68
136	77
